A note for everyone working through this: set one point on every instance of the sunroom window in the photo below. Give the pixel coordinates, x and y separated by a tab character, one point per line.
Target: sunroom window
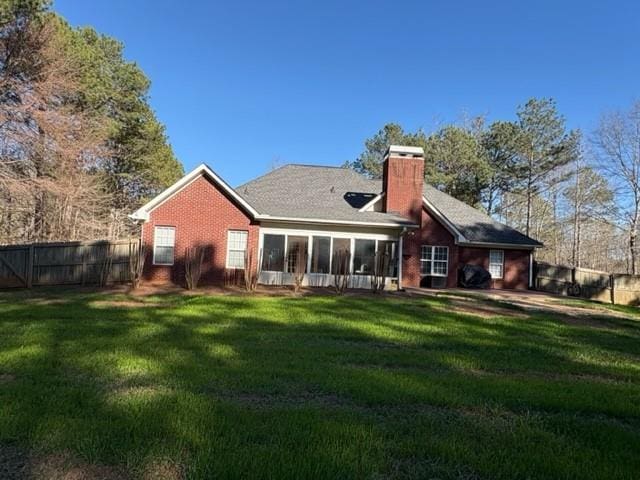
273	253
321	256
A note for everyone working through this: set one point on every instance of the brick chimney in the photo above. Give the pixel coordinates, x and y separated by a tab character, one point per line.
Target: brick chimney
402	181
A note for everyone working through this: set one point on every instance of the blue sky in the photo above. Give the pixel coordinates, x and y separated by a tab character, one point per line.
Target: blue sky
243	84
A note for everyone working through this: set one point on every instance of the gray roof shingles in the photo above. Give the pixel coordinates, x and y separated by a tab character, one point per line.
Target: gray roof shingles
337	194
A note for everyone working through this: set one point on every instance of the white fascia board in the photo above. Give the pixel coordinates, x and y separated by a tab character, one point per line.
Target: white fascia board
143	212
325	221
459	237
505	246
372	202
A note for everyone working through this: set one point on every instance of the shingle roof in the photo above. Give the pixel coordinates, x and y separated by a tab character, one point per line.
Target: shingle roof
334	193
314	192
472	223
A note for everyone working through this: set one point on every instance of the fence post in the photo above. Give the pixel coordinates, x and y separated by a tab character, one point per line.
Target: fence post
84	263
612	281
30	254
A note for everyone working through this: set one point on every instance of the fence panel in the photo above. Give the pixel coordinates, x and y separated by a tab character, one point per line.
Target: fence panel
589	284
64	263
14	265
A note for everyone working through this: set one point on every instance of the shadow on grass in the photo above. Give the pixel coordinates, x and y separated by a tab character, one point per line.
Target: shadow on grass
317	387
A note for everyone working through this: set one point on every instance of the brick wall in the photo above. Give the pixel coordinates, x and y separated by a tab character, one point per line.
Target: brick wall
403	178
432	232
202	214
516	266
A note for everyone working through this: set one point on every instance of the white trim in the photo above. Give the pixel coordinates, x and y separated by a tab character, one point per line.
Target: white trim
372	202
325	221
400	247
403	150
531	269
504	246
143	212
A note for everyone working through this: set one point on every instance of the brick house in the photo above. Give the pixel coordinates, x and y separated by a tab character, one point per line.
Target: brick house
427	235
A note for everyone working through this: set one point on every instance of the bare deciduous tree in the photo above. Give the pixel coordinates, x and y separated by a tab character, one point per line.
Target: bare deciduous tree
299	267
617	142
251	274
381	264
341	266
193	260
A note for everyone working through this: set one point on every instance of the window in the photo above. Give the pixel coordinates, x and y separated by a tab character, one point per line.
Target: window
236	248
341	255
434	261
297	248
496	263
390	249
164	241
320	256
273	253
364	257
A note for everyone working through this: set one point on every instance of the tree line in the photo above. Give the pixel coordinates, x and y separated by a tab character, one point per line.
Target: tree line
578	193
80	147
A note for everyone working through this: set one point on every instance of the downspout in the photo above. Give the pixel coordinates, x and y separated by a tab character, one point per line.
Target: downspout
531	270
400	247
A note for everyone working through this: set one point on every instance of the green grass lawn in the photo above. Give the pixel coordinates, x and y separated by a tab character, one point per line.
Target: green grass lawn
318	387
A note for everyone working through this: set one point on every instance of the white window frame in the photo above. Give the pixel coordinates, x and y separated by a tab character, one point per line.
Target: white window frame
496	264
156	230
433	261
244	233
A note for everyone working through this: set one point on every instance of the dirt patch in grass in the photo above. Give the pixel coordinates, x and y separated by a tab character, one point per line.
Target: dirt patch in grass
124	304
6	378
163	470
484	310
21	464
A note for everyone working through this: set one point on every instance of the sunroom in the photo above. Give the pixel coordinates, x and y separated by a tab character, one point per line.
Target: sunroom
320	255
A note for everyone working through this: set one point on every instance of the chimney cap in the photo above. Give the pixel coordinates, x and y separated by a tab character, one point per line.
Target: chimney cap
404	151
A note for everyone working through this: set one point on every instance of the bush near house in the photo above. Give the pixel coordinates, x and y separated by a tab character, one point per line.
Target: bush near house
315	387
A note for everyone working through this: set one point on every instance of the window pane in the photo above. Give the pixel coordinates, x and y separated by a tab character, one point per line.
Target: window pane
320	255
237	240
235	259
364	257
390	249
341	255
440	253
439	268
425	253
297	253
273	253
425	268
164	255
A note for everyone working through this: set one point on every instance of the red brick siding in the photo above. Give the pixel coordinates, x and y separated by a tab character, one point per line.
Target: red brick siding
516	266
403	178
432	232
202	214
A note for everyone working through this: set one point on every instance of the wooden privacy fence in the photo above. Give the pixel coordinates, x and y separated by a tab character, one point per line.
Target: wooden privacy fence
606	287
65	263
